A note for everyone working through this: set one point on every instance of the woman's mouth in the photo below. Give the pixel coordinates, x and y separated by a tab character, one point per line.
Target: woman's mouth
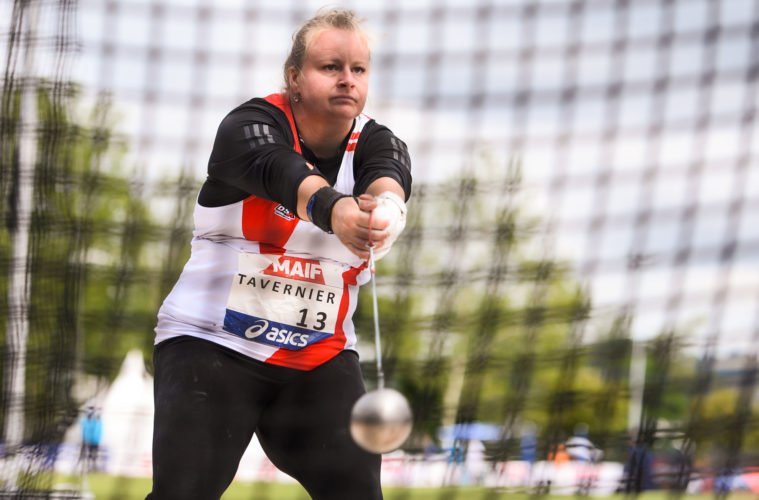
343	99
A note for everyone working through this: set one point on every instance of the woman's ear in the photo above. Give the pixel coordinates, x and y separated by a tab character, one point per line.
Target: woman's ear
292	79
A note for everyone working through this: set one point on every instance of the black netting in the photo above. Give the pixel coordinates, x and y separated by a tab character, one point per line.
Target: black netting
580	257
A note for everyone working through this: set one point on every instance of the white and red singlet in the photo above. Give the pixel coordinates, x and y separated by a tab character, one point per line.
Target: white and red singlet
264	283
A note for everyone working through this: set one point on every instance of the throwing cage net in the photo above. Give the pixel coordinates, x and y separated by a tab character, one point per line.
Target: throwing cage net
580	260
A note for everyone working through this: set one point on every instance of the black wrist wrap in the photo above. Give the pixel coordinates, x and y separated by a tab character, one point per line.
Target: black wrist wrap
322	202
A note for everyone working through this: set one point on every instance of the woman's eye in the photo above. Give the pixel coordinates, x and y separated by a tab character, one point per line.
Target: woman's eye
330	67
359	70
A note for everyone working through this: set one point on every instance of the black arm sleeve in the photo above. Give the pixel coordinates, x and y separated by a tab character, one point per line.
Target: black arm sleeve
253	154
379	153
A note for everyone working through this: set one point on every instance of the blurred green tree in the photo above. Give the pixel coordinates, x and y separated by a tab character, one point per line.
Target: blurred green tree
98	261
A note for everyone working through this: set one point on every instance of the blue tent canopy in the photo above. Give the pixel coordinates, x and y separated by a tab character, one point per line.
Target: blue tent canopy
475	430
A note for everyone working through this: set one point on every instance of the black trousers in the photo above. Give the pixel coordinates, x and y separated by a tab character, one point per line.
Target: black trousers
209	401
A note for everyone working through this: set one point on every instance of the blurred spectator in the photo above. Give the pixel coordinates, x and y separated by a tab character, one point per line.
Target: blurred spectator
581	448
456	453
529	443
559	454
637	474
475	461
92	432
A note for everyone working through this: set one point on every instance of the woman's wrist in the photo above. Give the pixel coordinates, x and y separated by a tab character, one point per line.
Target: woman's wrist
319	207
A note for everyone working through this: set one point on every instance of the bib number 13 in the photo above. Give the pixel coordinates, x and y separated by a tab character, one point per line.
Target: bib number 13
319	322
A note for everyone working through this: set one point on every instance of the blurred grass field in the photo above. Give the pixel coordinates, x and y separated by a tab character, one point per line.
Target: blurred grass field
103	486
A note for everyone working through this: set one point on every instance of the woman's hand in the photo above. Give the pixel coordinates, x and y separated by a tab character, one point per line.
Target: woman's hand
391	212
350	223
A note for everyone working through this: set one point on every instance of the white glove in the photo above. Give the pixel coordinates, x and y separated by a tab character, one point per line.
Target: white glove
391	208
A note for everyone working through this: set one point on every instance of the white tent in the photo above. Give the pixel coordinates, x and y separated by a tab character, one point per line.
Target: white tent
126	409
128	420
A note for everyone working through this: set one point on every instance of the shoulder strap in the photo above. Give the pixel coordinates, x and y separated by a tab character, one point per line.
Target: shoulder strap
281	102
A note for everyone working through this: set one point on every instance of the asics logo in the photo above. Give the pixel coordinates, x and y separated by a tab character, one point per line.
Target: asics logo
256	329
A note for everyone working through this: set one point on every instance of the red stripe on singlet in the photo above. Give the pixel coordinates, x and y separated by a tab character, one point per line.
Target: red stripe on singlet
260	222
324	350
352	141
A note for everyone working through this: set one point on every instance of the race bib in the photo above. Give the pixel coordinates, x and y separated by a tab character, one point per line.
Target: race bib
284	301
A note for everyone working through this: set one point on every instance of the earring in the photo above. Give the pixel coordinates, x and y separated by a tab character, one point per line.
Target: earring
296	97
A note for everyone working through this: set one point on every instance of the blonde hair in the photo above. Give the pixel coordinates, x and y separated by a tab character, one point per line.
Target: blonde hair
343	19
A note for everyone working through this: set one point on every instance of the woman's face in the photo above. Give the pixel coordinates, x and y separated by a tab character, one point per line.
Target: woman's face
334	79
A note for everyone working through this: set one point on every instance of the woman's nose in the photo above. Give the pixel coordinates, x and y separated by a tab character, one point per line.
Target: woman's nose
346	79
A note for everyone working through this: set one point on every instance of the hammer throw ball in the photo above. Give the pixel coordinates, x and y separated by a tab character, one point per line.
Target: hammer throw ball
381	420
